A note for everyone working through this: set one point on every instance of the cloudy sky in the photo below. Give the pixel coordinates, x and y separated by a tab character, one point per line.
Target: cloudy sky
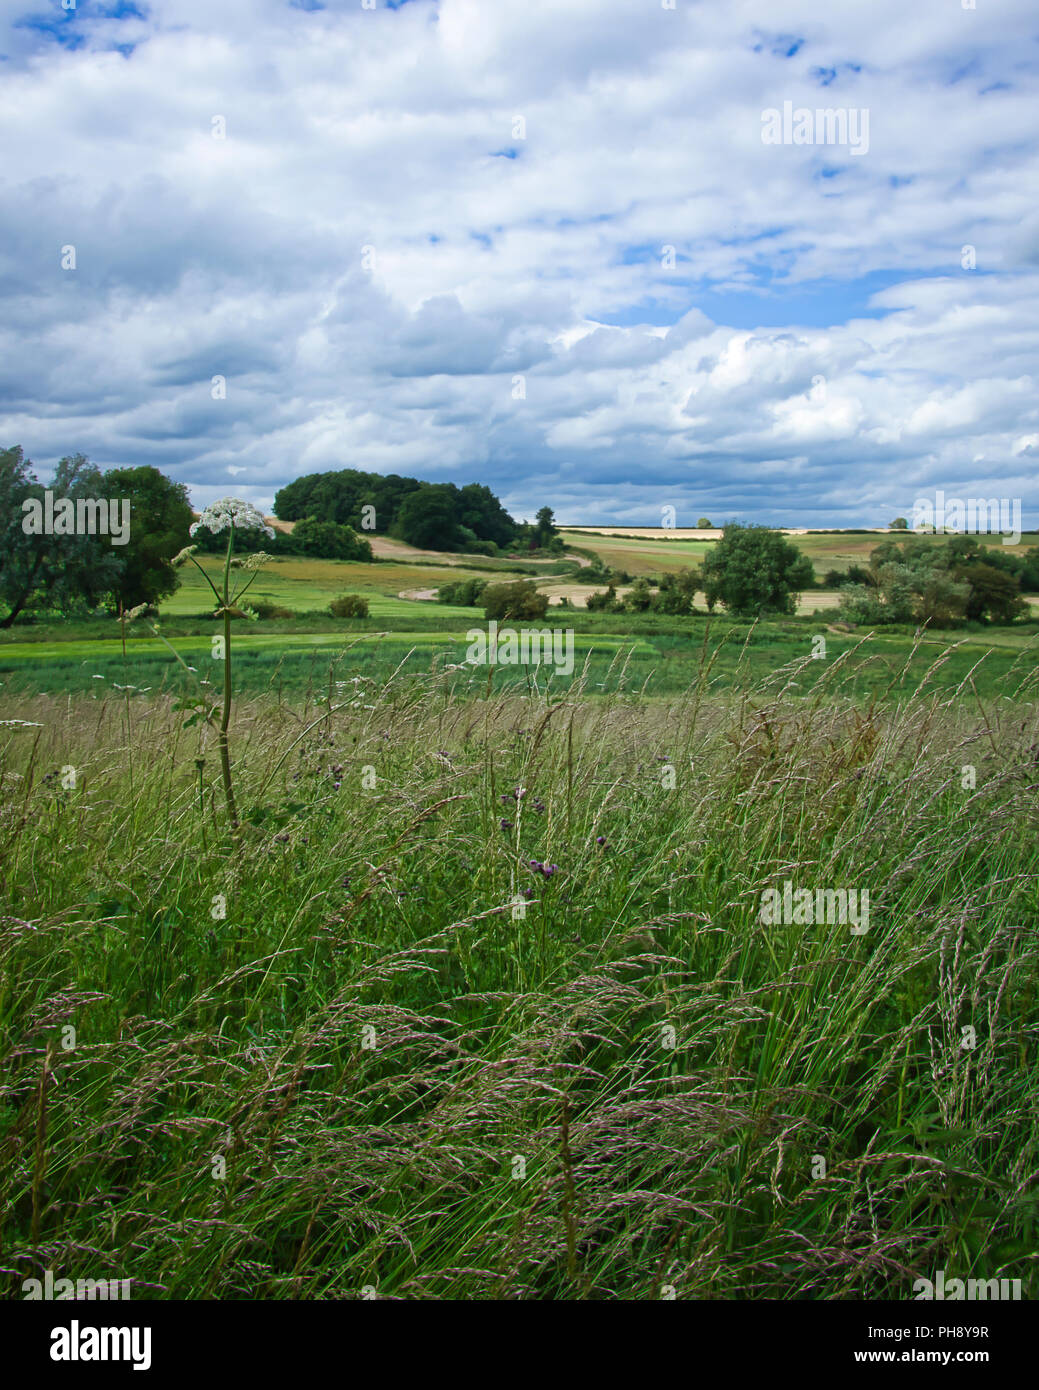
540	244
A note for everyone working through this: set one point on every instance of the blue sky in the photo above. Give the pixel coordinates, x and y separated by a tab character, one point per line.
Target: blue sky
540	244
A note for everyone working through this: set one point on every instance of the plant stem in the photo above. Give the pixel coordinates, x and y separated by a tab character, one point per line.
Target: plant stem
225	753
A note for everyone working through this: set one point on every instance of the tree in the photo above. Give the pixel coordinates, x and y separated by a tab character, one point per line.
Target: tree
994	595
428	518
900	524
89	567
24	569
754	570
544	527
704	524
160	515
520	599
481	512
64	571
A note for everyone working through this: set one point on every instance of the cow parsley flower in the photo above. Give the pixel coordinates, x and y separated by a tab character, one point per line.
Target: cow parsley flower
231	511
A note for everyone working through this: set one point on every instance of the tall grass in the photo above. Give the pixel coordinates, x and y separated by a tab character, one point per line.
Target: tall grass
433	1071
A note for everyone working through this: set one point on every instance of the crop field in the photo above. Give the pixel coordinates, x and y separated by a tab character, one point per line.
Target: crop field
643	554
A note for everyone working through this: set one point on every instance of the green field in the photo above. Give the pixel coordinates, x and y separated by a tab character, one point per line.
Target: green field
455	983
311	653
480	1003
308	586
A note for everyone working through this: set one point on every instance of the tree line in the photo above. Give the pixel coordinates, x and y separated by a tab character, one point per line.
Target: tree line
431	516
755	571
55	565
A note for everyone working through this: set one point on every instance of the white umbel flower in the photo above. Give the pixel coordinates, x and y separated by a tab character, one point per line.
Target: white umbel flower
231	511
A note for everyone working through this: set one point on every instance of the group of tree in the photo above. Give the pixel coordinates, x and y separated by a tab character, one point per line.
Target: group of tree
755	571
752	570
915	580
79	573
431	516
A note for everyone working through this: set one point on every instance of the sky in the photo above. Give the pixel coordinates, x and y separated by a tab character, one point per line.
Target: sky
552	246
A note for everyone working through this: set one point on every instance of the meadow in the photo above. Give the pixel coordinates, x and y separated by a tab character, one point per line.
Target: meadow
479	1000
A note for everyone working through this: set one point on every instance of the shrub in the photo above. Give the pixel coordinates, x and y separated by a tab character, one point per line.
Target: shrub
677	592
464	594
267	611
349	606
605	602
519	599
854	574
639	598
326	541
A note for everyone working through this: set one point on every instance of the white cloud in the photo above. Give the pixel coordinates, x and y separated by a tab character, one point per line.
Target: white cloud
646	383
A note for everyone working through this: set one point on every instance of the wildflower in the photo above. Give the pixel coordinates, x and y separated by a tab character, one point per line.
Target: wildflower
545	870
183	556
231	511
506	824
600	839
132	614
